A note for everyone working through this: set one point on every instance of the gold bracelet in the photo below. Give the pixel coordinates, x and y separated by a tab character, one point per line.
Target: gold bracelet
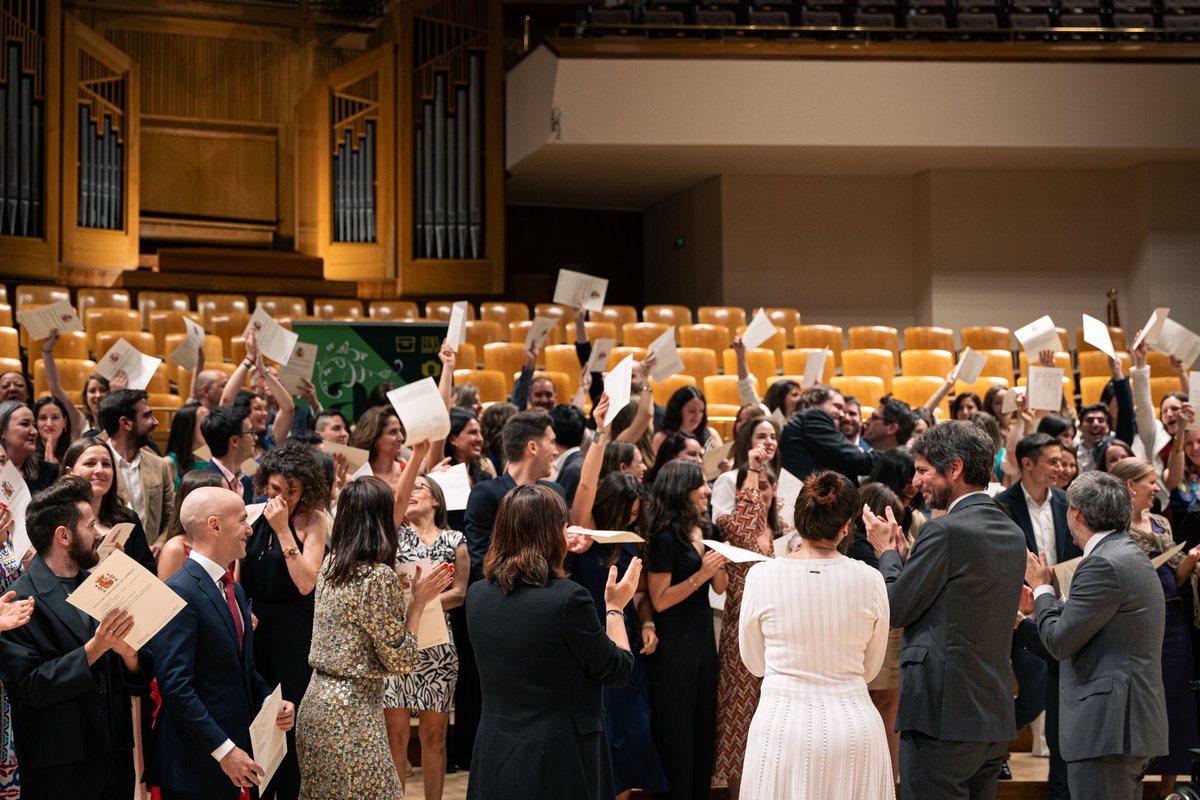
1178	446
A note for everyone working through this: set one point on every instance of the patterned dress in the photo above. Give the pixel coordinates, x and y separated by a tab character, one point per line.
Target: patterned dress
430	684
358	638
10	775
737	689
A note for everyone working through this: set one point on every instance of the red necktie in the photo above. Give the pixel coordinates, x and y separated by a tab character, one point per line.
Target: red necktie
227	582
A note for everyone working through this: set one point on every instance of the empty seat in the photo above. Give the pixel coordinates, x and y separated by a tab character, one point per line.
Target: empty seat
876	337
714	337
1116	334
618	355
142	340
870	362
1094	363
986	337
616	315
796	360
6	315
641	334
668	386
164	322
517	331
337	308
776	341
820	19
999	364
441	309
932	21
699	362
503	313
722	389
491	383
556	310
1160	364
668	315
228	325
868	389
149	302
760	361
786	318
595	330
820	336
210	304
282	306
72	374
393	310
668	22
924	337
729	316
101	298
917	389
874	19
610	21
33	294
1182	27
96	320
563	358
504	357
481	332
978	21
10	345
936	363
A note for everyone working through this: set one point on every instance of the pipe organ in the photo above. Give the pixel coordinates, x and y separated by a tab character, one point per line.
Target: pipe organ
101	146
25	26
355	117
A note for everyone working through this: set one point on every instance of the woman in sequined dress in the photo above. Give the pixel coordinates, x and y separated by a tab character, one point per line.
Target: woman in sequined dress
361	633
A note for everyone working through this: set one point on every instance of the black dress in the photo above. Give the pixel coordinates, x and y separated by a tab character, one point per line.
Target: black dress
283	635
683	675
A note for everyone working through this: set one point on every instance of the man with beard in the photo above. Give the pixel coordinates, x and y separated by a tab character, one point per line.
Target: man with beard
69	678
956	597
143	476
851	423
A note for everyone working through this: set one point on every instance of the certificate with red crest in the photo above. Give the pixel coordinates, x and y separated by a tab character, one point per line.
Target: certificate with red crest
120	582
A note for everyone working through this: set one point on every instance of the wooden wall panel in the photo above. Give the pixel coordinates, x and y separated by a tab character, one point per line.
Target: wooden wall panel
218	174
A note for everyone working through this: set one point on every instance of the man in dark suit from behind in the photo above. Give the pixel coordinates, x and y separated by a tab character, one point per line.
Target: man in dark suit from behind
69	678
956	597
569	426
1108	635
812	439
204	658
1040	510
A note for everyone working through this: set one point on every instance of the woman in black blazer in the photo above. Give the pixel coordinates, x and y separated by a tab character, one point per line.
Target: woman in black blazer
543	656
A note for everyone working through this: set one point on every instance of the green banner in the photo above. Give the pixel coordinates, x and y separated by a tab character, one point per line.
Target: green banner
355	357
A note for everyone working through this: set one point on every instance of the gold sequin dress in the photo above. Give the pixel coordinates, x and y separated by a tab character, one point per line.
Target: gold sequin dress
358	639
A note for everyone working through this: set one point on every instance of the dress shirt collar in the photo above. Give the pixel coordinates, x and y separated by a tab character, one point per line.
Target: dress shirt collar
230	478
214	570
1095	540
1034	503
134	464
557	465
964	497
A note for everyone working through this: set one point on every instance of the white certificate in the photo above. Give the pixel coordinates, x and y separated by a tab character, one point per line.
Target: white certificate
539	331
14	492
1045	388
274	341
970	366
432	630
355	456
713	457
1064	571
1150	330
185	354
122	583
1163	558
788	492
137	365
422	410
300	365
601	350
455	485
758	331
814	368
1097	334
779	418
267	743
254	511
456	331
735	554
617	384
666	356
364	471
607	537
576	289
119	535
1010	403
1177	340
1194	398
38	322
1037	336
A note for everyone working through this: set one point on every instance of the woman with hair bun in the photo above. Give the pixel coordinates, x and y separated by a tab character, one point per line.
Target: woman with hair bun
816	665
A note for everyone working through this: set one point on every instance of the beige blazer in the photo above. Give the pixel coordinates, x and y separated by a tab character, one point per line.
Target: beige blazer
158	489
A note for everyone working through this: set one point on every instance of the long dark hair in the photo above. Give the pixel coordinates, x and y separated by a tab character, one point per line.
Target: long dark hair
182	438
460	418
528	546
370	427
672	445
363	532
192	481
64	441
83	393
777	394
33	464
773	521
617	455
673	416
615	496
113	507
670	511
743	441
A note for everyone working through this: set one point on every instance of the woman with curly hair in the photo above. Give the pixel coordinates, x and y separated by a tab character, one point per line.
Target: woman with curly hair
279	573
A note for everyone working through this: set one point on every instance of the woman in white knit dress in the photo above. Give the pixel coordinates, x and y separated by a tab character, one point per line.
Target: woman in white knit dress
815	625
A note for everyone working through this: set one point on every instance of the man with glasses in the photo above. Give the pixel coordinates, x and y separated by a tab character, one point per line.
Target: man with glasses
230	439
890	425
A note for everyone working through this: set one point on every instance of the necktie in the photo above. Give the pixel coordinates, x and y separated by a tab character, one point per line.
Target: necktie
227	582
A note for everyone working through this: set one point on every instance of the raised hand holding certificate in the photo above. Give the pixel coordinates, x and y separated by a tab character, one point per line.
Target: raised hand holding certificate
122	583
577	289
299	366
43	319
268	743
432	629
274	341
185	354
124	356
420	407
666	356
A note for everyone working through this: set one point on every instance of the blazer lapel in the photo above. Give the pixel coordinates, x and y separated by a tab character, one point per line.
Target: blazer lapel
1062	534
49	594
209	588
1021	517
151	490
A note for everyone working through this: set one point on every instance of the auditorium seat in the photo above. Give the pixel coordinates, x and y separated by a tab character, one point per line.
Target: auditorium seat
618	355
595	330
796	359
928	23
72	374
503	312
104	340
504	357
924	337
611	23
149	302
96	320
3	293
867	388
875	337
163	322
561	381
986	337
776	342
981	386
999	364
668	315
721	418
441	309
1117	335
870	361
917	389
229	325
6	314
714	337
214	351
517	331
617	316
237	349
760	361
281	306
1094	363
163	400
334	308
641	334
1136	27
1160	364
729	316
86	298
926	362
1161	387
721	389
467	354
555	310
159	383
667	387
817	336
786	318
491	385
1062	359
211	304
40	295
10	345
1182	27
563	358
480	332
393	310
11	364
699	362
1090	387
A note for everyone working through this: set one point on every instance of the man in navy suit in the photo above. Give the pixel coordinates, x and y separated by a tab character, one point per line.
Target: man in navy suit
205	663
230	438
1040	510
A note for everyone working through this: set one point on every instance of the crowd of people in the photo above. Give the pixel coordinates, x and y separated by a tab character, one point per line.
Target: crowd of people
873	621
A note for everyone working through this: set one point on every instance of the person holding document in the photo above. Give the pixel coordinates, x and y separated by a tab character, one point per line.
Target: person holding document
69	678
204	659
92	459
362	632
19	437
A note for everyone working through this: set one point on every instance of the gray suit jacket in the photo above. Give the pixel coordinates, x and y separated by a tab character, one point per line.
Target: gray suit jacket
1108	636
956	599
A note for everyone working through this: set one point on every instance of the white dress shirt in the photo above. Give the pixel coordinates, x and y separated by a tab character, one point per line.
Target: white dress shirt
131	476
1042	517
216	572
964	497
557	465
1046	588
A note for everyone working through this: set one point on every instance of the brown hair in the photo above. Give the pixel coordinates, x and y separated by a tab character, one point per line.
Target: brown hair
528	539
827	502
370	426
1131	469
363	532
